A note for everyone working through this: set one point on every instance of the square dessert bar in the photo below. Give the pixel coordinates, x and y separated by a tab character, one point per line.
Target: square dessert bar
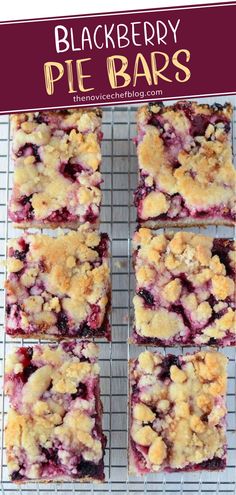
177	412
57	158
54	427
58	287
186	172
185	289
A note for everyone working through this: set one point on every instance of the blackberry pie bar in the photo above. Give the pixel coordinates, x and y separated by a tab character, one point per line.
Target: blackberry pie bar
54	427
186	172
177	413
56	160
58	287
185	289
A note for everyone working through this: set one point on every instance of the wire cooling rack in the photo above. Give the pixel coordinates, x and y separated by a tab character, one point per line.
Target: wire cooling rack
118	219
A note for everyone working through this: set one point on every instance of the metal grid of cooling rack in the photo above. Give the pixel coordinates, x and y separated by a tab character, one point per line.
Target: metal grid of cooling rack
118	219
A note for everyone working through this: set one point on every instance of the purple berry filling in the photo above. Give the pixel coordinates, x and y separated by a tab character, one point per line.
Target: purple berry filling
81	391
51	455
16	476
62	323
62	215
26	212
20	255
40	119
147	296
90	216
29	149
167	362
222	248
102	248
214	464
71	171
28	371
90	469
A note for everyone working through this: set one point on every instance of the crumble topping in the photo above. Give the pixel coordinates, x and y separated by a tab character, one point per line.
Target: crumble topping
54	423
155	323
186	172
185	289
155	204
58	286
57	158
177	412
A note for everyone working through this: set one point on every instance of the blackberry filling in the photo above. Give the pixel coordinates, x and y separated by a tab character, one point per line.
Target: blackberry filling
177	308
60	215
29	210
199	123
138	455
81	391
217	106
93	319
21	255
88	468
212	300
40	119
50	386
16	476
70	170
167	362
33	149
28	370
158	414
155	121
186	283
27	353
85	331
89	216
25	199
155	103
186	107
204	418
147	296
83	359
221	249
42	265
102	248
142	190
51	455
227	127
213	464
212	341
35	152
62	322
